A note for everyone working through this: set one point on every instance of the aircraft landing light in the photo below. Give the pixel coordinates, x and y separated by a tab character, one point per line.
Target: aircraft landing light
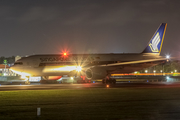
62	68
78	68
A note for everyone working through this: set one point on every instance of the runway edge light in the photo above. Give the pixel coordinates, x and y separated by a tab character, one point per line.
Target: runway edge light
38	111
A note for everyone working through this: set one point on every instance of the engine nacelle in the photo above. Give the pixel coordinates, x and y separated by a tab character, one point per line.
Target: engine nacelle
96	73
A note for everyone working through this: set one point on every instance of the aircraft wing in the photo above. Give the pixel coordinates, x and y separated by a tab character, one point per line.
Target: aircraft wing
134	62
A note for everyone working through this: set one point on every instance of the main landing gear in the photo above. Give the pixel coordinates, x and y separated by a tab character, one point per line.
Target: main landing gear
27	82
48	81
83	81
108	80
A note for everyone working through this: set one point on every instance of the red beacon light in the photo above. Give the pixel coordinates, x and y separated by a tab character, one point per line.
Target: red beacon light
65	54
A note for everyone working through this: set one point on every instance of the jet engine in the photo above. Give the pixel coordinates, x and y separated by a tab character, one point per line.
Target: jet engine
96	73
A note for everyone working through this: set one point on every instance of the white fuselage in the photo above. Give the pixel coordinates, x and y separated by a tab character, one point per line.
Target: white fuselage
58	65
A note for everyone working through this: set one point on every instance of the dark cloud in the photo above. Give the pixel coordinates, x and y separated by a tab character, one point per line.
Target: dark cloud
81	26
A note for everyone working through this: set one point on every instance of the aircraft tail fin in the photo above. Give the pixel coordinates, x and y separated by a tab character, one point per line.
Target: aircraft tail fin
155	44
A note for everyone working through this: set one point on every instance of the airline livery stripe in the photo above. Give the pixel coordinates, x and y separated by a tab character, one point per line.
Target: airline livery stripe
163	37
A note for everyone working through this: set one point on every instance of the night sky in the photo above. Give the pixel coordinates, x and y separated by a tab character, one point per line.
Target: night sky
86	26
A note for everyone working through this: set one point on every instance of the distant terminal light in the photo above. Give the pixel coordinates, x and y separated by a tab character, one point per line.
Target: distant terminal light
145	74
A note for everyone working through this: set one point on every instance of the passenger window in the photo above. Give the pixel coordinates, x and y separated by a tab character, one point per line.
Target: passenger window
42	64
18	63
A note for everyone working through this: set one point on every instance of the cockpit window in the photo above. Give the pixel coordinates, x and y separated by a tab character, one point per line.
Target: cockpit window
18	63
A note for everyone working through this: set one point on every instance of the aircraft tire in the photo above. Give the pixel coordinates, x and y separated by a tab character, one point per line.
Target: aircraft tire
103	81
107	81
114	81
110	81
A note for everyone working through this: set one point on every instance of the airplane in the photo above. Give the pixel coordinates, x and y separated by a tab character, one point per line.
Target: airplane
93	66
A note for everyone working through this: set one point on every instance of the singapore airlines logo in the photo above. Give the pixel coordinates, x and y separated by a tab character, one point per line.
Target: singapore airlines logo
155	42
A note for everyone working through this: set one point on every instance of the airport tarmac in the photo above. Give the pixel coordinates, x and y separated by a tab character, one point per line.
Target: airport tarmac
38	86
140	101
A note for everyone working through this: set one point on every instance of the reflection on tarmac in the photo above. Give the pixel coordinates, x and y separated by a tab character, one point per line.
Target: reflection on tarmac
38	86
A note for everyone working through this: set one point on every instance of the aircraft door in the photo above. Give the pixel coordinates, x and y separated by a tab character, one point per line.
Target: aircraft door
34	63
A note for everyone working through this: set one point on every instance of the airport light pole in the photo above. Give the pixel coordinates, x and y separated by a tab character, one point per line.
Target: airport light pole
154	72
162	69
5	63
161	72
146	71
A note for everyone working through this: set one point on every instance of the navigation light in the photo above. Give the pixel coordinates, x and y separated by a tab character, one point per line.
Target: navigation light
167	56
65	54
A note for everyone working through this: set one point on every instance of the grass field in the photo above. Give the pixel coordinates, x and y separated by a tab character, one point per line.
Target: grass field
91	103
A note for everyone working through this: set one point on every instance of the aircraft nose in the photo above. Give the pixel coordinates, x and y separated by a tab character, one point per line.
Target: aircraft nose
15	69
12	68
